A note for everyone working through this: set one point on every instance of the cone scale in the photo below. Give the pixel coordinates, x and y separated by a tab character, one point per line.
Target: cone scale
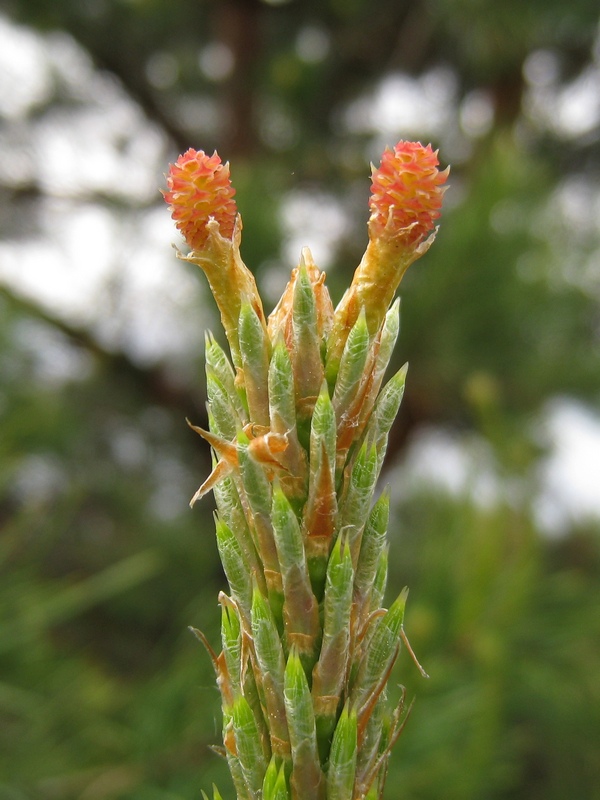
299	417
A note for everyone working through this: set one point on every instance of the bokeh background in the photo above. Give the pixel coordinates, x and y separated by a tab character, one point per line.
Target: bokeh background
494	465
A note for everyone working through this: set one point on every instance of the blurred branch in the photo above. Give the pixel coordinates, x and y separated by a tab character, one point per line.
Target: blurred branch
238	24
136	85
154	382
70	601
32	191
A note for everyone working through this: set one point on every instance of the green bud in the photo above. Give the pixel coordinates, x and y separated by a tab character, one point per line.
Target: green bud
219	367
216	794
270	778
230	507
329	674
306	348
282	414
323	431
269	652
380	649
271	665
342	761
281	791
301	611
385	412
255	697
287	531
374	773
354	507
233	762
256	484
352	365
373	542
258	491
248	746
306	774
255	353
237	776
320	511
217	362
231	639
223	417
382	352
319	522
369	750
380	582
232	513
235	566
389	336
281	390
275	786
298	702
337	608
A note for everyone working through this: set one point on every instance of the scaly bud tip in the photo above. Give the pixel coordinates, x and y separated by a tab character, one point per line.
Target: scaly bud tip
406	192
199	187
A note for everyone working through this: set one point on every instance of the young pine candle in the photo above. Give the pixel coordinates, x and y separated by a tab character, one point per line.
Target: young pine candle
299	418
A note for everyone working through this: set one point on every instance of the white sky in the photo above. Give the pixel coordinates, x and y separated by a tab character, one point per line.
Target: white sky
117	273
568	479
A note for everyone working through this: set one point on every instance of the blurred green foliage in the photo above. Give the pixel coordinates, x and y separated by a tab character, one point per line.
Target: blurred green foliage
103	693
507	626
